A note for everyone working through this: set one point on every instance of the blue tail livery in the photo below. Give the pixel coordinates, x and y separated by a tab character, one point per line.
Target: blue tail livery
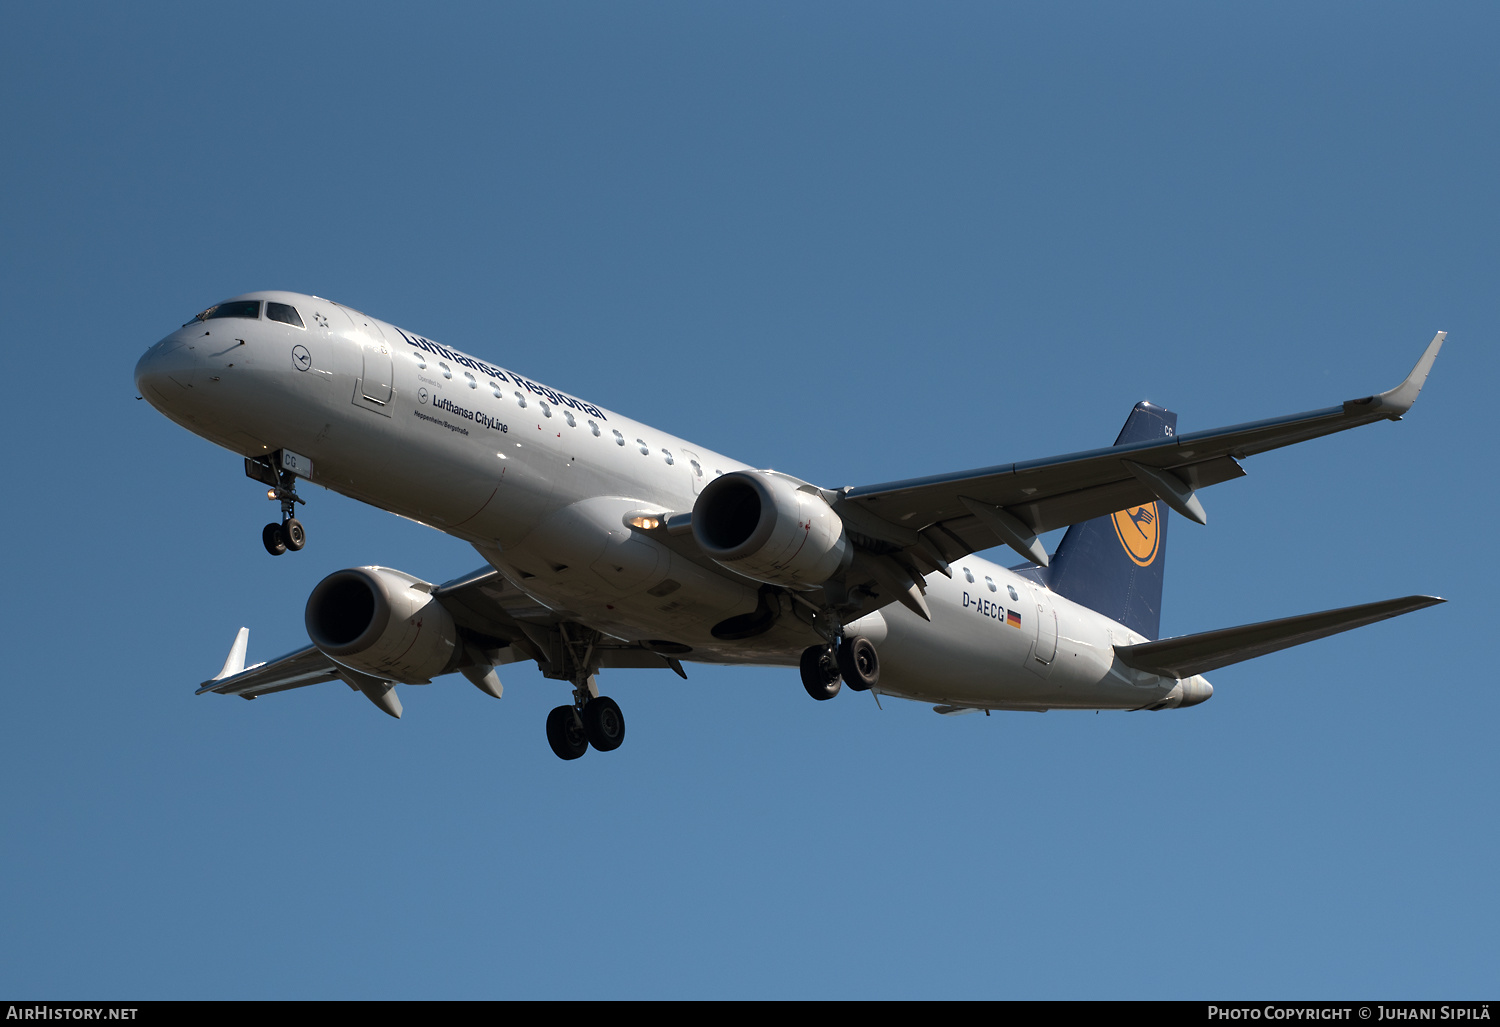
1114	564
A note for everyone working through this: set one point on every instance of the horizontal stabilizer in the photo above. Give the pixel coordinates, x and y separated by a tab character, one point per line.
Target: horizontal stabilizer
1187	655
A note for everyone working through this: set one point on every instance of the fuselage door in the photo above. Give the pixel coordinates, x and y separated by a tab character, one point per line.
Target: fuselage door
375	385
1046	632
375	379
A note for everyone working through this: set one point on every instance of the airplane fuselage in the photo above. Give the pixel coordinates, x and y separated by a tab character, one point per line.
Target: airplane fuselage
544	485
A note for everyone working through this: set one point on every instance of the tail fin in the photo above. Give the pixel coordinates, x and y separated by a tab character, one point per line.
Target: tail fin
1115	564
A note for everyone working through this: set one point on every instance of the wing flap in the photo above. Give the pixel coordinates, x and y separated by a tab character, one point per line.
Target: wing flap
1187	655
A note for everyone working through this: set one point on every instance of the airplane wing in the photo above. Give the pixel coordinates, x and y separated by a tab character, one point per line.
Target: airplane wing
1187	655
294	670
500	624
938	519
497	614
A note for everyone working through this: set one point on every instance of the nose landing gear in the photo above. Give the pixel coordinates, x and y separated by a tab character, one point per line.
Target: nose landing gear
288	535
274	471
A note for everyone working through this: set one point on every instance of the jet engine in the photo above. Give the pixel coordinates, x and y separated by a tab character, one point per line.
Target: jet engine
771	528
382	622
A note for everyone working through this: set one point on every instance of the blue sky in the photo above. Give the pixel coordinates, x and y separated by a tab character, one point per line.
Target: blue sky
855	242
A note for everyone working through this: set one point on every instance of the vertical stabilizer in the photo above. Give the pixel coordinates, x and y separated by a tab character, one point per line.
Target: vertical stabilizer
1115	564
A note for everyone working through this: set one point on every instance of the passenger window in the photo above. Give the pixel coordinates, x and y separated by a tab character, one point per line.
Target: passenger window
594	428
697	468
645	449
546	409
285	313
495	388
568	416
990	582
969	575
1012	590
619	439
239	308
447	371
421	360
521	399
473	384
668	454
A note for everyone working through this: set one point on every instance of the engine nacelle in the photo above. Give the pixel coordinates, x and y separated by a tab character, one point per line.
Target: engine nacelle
766	527
382	622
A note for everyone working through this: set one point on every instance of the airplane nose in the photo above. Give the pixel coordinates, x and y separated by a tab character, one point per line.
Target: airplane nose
148	373
163	372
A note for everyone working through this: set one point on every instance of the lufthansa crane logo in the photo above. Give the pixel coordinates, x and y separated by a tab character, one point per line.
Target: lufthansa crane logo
1139	531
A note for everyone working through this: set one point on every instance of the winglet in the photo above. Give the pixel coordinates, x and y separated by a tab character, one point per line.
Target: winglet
235	662
1398	401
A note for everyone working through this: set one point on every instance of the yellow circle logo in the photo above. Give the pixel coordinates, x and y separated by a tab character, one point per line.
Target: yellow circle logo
1139	531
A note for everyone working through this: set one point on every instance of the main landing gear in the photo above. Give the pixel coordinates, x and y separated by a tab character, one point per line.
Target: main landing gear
592	719
826	668
572	729
820	672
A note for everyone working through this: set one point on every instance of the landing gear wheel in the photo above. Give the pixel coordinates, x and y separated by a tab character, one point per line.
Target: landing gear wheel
860	665
292	534
604	723
274	541
565	733
820	672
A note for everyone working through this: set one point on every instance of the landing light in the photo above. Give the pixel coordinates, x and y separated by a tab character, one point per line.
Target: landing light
645	523
270	493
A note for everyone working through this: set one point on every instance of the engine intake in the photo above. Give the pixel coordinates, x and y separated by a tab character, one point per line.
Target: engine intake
382	622
770	528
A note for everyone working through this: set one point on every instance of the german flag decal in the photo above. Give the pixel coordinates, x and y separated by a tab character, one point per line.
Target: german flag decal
1139	531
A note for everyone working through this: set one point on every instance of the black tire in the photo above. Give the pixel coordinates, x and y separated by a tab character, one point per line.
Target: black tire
293	534
604	723
859	663
565	733
273	540
820	672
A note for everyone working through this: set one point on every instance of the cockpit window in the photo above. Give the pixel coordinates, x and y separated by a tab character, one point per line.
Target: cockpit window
285	313
237	308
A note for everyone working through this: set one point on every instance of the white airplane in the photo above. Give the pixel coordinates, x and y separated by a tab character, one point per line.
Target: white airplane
608	543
